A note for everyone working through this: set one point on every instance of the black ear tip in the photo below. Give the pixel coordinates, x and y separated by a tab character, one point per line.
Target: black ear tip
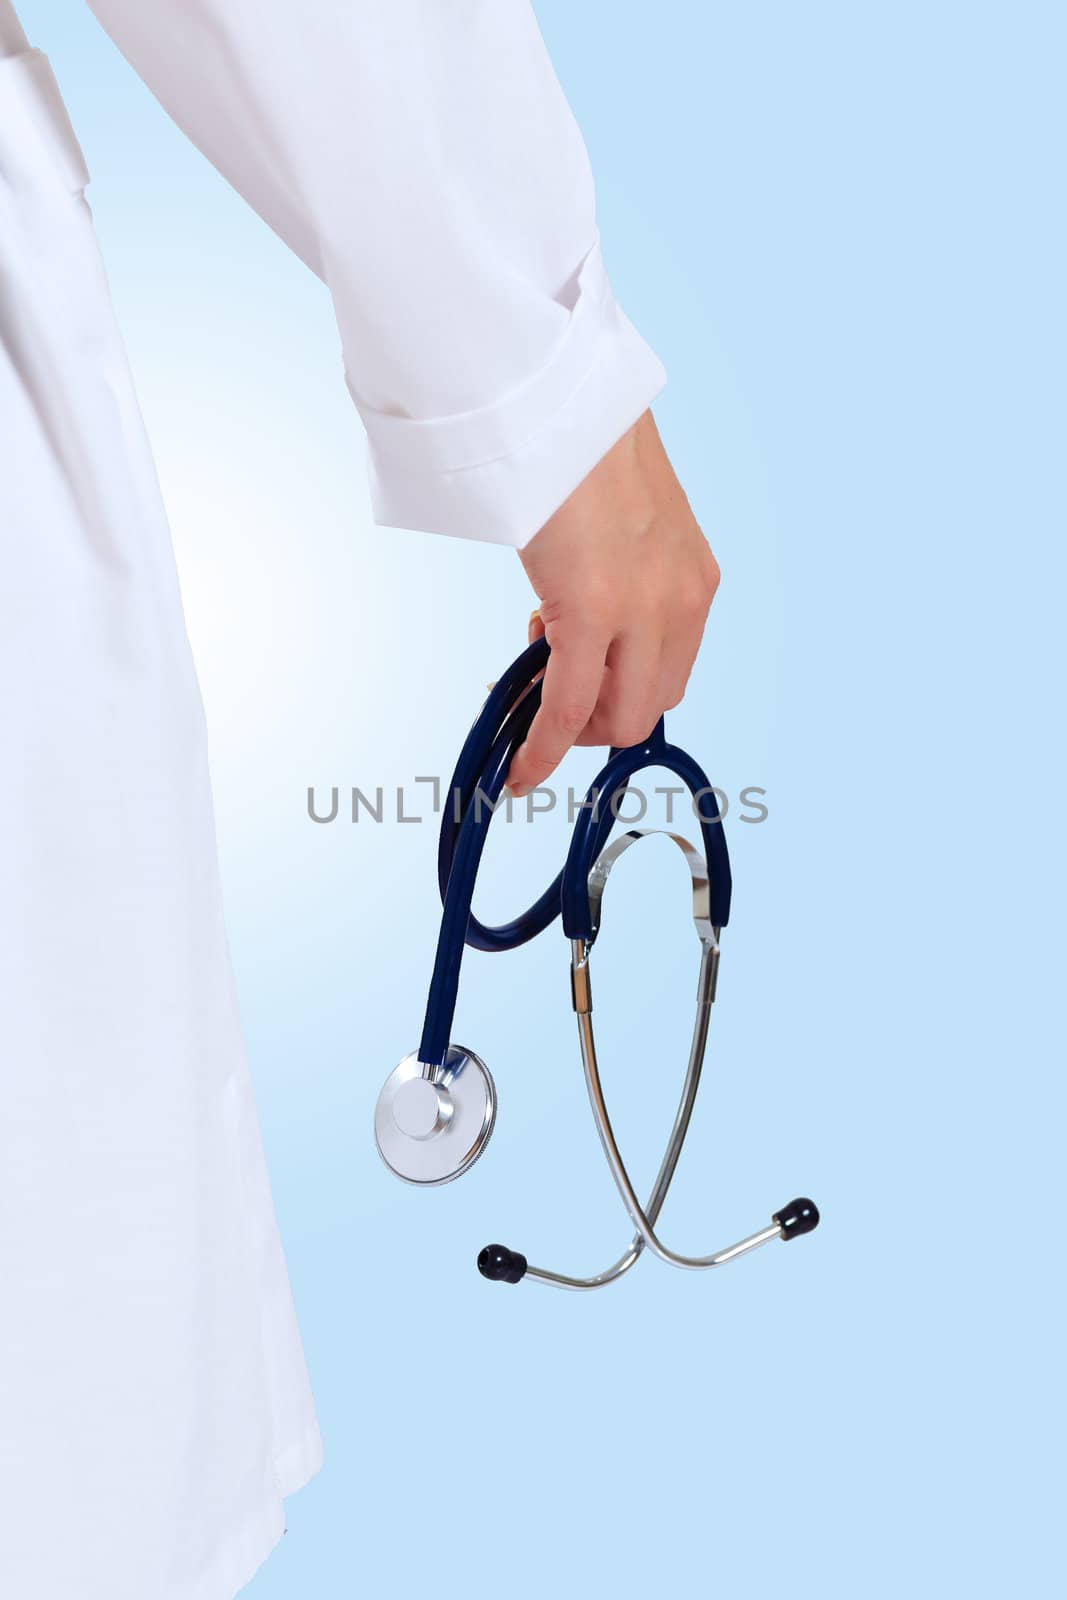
501	1265
799	1216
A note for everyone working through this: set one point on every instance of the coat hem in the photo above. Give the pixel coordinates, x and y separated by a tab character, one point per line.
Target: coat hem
238	1562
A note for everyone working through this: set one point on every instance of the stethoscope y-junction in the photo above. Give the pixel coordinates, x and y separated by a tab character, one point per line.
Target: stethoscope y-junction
437	1109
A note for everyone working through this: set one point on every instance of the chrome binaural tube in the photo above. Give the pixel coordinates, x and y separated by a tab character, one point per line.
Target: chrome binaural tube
799	1217
644	1218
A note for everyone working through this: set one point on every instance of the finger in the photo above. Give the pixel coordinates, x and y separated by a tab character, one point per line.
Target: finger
630	701
535	628
675	665
569	696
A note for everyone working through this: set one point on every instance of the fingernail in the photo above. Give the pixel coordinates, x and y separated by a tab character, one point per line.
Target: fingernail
535	616
518	791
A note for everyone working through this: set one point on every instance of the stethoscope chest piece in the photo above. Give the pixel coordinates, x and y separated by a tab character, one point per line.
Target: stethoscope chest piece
432	1123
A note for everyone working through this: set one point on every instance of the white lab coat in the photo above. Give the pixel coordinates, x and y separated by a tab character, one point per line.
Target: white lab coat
418	154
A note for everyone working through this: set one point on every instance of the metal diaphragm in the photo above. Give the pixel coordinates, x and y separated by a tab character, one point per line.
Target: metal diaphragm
431	1124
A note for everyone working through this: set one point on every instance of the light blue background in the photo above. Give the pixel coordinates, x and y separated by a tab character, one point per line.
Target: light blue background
842	227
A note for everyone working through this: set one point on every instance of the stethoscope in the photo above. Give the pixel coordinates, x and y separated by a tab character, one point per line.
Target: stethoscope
437	1109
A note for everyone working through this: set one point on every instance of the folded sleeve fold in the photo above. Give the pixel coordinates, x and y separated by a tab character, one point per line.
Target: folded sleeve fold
422	159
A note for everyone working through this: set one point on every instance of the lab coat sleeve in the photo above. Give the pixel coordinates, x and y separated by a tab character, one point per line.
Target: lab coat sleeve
420	156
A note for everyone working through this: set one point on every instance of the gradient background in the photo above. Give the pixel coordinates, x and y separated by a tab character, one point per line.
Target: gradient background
842	228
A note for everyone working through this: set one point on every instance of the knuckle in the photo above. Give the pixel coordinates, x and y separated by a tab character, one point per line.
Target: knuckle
692	596
712	575
539	749
535	766
627	729
694	602
702	592
572	717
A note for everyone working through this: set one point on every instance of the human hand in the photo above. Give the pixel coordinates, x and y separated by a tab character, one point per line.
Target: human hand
625	580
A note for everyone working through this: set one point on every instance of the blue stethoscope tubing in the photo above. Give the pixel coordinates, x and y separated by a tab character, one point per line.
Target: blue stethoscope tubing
468	809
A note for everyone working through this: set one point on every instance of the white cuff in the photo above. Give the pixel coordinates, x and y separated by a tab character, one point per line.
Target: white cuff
498	474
